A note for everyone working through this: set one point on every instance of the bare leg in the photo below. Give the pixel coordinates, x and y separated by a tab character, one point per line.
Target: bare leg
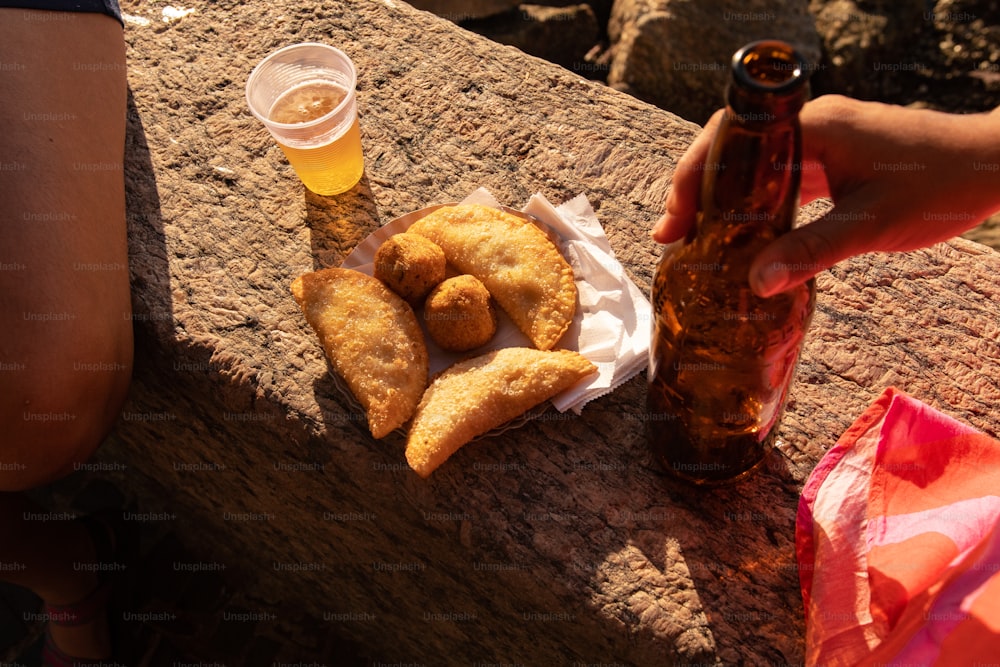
65	325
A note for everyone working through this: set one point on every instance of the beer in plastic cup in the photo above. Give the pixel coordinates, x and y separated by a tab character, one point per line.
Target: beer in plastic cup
304	95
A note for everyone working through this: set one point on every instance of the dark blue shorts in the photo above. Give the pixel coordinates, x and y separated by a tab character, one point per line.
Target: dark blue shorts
109	7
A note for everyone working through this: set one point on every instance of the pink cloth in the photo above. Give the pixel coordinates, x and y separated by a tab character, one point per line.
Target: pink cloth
898	542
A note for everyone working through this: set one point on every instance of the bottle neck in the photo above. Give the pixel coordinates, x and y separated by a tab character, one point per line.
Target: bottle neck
768	86
752	175
753	171
760	111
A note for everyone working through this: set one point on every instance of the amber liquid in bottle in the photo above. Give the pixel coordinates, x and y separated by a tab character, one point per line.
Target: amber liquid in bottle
722	358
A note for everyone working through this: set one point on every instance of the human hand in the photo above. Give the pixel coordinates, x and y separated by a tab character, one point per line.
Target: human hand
899	179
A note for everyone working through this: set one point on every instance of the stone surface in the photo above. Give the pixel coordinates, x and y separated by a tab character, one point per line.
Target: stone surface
170	606
970	31
556	543
462	10
942	54
676	53
562	35
868	46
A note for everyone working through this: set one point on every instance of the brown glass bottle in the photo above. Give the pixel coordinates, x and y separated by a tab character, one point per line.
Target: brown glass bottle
722	358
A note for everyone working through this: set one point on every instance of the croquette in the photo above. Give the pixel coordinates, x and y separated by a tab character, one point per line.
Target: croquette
459	314
410	265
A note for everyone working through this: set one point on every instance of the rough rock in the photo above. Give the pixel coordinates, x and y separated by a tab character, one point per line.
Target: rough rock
676	53
987	233
970	31
868	46
558	542
942	55
562	35
462	10
962	41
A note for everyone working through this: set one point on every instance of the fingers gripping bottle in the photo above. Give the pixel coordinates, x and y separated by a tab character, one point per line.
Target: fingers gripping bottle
722	358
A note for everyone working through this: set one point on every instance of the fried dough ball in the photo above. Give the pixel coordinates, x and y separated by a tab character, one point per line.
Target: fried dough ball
459	314
410	265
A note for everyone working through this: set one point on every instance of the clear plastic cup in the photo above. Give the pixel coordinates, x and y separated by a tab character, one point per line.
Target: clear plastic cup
304	95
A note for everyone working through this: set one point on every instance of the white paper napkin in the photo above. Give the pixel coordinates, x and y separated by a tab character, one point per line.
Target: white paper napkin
614	332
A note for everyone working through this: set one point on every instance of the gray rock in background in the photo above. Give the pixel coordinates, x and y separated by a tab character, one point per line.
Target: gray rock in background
457	11
943	54
561	35
676	53
867	46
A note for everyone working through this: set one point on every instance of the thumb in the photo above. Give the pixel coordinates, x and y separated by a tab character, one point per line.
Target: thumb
797	256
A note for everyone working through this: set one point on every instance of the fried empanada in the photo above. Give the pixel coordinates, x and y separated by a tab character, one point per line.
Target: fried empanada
474	396
520	266
372	339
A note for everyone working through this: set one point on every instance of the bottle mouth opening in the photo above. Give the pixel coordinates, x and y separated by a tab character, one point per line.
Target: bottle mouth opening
769	66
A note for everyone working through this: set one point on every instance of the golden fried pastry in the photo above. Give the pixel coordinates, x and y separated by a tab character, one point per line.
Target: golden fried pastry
459	314
520	266
372	339
473	396
410	264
